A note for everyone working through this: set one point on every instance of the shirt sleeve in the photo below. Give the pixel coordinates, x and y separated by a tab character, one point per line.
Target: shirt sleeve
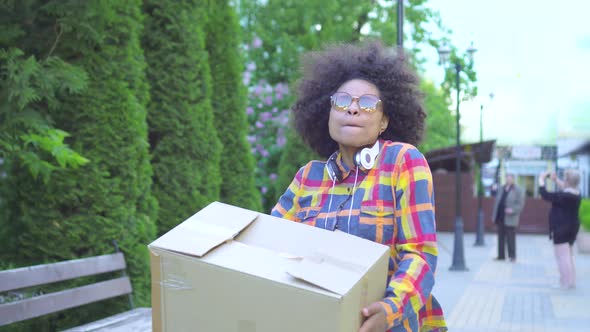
548	196
287	206
414	240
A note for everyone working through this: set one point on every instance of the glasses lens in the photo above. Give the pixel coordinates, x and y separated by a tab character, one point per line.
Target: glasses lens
368	103
341	100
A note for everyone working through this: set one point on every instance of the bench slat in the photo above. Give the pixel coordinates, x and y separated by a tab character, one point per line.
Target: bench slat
137	320
48	273
75	297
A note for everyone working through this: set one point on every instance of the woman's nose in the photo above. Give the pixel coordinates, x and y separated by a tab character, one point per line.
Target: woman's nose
353	109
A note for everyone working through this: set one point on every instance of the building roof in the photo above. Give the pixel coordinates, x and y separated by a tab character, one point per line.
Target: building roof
444	158
583	149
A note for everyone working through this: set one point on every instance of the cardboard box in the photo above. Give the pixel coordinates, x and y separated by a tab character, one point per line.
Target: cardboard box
228	269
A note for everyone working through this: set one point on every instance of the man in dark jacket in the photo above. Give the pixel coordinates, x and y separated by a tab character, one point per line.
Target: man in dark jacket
506	215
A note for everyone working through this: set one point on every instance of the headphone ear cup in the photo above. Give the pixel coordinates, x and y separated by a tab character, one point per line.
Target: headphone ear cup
366	157
358	158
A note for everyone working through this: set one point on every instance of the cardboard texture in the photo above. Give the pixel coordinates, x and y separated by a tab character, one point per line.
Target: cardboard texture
231	269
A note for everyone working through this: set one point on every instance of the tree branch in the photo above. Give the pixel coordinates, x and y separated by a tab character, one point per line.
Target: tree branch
59	31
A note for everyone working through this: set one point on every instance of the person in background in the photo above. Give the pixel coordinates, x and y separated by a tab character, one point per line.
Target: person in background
360	108
564	223
506	215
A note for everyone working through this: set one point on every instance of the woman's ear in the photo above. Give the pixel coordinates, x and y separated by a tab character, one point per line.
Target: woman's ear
384	124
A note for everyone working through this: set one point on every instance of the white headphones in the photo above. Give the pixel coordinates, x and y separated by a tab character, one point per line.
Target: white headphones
367	156
364	158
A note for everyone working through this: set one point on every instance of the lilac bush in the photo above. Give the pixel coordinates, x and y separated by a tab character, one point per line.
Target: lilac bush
268	117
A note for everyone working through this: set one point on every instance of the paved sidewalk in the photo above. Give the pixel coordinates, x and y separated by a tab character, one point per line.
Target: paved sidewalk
506	297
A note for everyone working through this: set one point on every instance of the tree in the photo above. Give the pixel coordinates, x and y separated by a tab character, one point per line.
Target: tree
280	31
440	125
182	135
238	185
79	212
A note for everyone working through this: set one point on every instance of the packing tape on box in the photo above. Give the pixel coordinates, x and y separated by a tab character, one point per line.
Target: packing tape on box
329	259
364	291
246	326
319	257
175	282
156	292
290	256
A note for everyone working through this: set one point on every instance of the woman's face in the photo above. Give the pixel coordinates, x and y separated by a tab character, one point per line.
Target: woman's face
353	127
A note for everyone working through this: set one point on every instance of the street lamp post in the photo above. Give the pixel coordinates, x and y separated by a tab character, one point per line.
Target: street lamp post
480	230
458	253
400	23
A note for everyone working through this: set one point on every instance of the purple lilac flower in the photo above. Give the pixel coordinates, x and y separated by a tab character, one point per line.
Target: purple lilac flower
258	90
251	66
246	79
265	116
283	118
268	100
257	42
282	88
249	110
272	176
259	125
263	190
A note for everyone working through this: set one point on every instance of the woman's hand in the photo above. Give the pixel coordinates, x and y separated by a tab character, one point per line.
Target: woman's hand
375	319
542	177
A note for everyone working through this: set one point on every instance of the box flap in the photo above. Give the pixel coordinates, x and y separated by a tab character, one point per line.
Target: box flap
327	272
207	229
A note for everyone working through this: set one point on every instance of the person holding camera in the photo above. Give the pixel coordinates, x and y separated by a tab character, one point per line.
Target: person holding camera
564	223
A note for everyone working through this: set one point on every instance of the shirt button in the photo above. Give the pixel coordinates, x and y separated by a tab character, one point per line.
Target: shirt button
348	189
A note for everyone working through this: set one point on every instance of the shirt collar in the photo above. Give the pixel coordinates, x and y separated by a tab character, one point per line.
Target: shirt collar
344	169
571	191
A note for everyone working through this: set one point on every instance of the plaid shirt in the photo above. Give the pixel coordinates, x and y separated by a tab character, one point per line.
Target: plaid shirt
392	204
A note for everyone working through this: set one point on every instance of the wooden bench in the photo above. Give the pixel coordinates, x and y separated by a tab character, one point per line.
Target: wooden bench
16	279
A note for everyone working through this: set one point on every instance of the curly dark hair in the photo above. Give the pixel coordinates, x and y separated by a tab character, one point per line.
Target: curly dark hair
323	72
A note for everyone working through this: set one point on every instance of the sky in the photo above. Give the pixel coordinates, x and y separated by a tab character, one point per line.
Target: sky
534	56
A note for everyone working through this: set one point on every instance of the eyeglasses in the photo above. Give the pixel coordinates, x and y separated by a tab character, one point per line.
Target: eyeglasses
341	101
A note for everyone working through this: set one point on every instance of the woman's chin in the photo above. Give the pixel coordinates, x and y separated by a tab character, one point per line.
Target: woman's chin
350	142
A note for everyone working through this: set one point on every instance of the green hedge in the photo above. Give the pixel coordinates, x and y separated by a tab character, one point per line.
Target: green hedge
584	214
238	185
182	135
79	212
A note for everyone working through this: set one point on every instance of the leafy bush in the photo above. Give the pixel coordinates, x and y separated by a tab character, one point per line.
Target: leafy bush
30	86
78	212
268	118
584	214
